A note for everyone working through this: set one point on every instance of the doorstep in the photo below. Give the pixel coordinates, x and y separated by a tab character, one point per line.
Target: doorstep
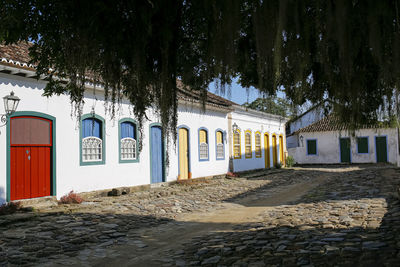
39	202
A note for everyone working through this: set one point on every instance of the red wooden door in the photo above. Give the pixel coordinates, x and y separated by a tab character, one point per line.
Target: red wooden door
31	145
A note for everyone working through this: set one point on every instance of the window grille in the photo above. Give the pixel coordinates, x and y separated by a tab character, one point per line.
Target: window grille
92	149
248	145
220	151
128	148
203	151
236	145
258	145
220	145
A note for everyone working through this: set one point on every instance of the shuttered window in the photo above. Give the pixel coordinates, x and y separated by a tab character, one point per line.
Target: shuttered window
91	127
219	136
128	141
236	145
203	145
312	147
248	152
362	145
92	140
257	137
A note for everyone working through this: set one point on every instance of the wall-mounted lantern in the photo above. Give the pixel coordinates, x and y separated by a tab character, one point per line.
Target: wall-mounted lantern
11	102
235	127
301	140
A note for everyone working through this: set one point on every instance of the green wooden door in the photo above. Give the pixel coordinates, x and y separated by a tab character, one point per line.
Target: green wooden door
381	149
345	150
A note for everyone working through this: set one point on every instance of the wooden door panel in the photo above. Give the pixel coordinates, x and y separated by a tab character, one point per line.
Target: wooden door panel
30	157
381	149
156	155
40	171
345	150
186	155
266	151
281	156
183	154
20	173
274	150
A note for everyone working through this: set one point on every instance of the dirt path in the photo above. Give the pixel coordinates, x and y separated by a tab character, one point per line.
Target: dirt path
170	237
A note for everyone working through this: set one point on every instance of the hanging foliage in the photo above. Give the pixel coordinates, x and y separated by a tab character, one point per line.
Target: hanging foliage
341	50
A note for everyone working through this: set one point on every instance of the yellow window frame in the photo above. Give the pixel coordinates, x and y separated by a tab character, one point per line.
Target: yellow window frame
237	155
247	145
258	152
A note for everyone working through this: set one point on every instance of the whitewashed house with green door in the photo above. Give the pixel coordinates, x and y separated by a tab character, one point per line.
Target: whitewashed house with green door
327	141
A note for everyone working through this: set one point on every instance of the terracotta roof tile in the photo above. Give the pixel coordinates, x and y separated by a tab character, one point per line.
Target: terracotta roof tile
333	123
18	55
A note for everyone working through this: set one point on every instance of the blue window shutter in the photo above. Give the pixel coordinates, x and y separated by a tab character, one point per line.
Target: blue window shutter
123	130
128	130
91	127
85	131
96	128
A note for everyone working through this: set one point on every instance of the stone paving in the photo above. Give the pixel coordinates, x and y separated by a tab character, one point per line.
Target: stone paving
100	222
352	218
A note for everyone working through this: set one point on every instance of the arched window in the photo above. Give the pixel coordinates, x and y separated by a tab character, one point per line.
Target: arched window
127	141
258	152
219	144
247	142
237	153
203	144
92	140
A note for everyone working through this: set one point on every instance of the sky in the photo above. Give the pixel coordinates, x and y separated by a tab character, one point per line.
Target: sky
239	94
236	93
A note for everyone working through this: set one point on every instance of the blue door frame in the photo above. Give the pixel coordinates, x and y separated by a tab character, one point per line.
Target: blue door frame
157	154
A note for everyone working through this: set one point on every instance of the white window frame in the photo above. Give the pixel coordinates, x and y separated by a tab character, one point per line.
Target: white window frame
247	145
220	151
258	155
124	142
203	153
92	143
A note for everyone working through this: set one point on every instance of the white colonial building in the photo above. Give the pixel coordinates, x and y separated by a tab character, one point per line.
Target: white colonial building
258	139
327	141
47	152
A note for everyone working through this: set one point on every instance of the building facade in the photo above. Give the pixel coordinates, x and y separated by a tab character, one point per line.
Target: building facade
328	142
258	139
45	151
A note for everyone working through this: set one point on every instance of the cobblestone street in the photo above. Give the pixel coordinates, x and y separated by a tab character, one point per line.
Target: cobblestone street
303	216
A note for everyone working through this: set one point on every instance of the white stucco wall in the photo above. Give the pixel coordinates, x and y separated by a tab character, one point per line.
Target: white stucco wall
71	176
192	117
256	122
328	147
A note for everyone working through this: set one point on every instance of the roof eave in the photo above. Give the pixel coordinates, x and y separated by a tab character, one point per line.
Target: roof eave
259	113
209	106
